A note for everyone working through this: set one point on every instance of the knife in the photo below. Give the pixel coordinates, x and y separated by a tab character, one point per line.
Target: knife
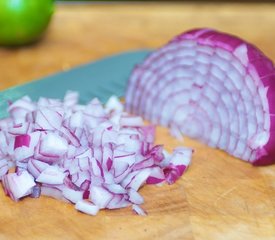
100	79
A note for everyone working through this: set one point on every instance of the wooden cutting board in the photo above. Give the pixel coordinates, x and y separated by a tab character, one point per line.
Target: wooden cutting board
219	197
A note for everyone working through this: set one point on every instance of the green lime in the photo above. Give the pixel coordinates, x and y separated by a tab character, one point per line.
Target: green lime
23	21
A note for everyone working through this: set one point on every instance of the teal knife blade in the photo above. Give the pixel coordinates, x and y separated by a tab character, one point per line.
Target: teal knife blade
100	79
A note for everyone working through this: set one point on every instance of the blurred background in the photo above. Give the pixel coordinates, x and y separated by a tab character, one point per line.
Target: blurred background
167	1
41	37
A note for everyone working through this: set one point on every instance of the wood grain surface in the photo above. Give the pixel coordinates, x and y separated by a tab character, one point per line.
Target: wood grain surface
218	198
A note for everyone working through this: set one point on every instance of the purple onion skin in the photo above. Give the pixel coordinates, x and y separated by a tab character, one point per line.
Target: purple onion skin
36	191
265	155
263	65
22	140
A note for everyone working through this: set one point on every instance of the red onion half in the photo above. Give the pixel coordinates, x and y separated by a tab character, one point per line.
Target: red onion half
93	156
213	87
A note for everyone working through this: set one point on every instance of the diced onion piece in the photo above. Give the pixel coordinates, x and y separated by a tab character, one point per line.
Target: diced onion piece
53	192
4	167
72	195
156	176
100	196
18	185
35	167
22	140
113	104
138	210
51	175
86	207
36	191
53	145
135	197
74	152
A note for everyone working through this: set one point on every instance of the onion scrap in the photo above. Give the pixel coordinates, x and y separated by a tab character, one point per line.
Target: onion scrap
213	87
91	155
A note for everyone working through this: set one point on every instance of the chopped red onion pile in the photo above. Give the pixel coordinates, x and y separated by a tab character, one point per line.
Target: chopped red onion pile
210	86
93	156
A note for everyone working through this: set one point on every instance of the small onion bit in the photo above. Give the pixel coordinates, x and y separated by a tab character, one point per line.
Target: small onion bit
213	87
93	156
138	210
18	185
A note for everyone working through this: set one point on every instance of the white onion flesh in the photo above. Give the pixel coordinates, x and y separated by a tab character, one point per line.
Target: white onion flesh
138	210
94	156
18	185
213	87
86	207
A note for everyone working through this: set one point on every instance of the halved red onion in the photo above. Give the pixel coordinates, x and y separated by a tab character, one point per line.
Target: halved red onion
211	86
87	152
